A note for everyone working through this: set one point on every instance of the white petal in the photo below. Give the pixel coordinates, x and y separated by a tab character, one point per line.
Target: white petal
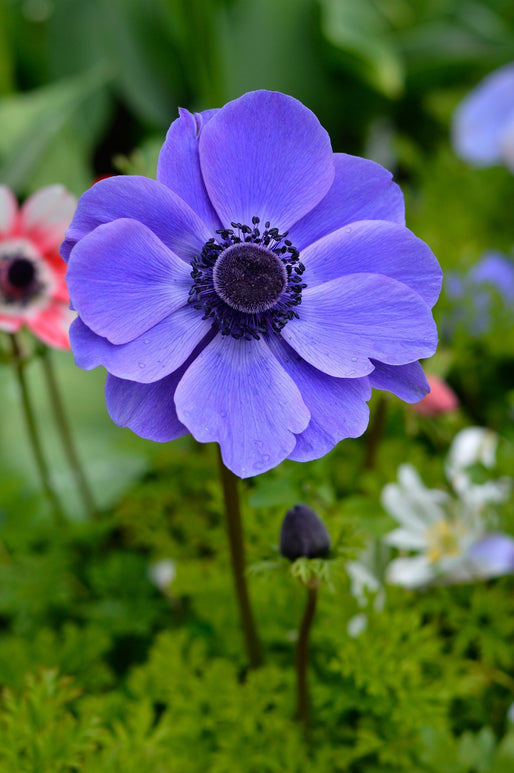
8	208
413	505
470	446
47	214
406	540
477	496
362	580
357	625
410	572
162	573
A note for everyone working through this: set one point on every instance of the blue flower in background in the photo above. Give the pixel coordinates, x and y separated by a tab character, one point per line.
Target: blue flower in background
474	294
483	124
255	292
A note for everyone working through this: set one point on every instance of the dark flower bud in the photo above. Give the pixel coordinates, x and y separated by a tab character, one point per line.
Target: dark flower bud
303	533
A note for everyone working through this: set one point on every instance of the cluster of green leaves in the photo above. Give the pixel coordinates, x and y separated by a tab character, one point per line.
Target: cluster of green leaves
159	681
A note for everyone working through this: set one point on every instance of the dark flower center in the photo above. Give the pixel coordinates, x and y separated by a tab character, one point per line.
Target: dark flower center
249	278
21	273
18	279
247	281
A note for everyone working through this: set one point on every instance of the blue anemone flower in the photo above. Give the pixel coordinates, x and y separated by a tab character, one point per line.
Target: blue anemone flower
255	292
483	124
487	286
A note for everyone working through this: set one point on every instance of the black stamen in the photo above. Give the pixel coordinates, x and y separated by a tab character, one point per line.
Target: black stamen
248	286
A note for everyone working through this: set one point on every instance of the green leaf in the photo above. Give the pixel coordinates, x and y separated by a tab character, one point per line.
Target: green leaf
359	34
30	121
6	61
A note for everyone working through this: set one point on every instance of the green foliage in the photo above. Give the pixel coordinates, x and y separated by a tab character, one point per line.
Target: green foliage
34	123
39	732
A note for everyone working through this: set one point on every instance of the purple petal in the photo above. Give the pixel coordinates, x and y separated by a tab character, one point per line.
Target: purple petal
493	555
146	409
507	143
179	164
153	355
345	322
482	117
266	155
337	405
142	199
407	382
123	280
362	190
378	247
238	395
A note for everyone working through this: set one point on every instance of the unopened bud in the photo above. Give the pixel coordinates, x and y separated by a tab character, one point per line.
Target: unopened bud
303	533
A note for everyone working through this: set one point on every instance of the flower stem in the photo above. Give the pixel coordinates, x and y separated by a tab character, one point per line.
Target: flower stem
374	434
65	433
302	656
35	442
235	537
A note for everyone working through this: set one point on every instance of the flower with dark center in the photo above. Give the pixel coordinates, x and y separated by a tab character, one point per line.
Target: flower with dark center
255	292
33	291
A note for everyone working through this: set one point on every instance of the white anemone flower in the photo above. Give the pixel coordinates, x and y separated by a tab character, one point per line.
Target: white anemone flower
448	533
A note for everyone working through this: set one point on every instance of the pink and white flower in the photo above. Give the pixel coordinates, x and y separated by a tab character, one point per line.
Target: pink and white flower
33	291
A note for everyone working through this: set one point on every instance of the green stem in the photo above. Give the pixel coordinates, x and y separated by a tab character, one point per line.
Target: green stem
35	442
235	537
302	656
374	434
65	433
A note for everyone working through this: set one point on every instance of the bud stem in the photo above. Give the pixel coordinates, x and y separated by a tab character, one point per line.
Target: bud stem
302	656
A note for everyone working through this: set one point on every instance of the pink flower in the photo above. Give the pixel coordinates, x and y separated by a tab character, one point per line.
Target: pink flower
440	399
33	291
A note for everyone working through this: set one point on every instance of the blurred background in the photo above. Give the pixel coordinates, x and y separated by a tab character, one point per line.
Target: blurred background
85	82
89	88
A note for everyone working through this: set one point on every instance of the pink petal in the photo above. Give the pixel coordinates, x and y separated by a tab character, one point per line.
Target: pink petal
10	324
52	325
440	399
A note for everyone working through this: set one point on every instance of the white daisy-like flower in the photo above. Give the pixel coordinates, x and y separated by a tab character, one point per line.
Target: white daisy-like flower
447	536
